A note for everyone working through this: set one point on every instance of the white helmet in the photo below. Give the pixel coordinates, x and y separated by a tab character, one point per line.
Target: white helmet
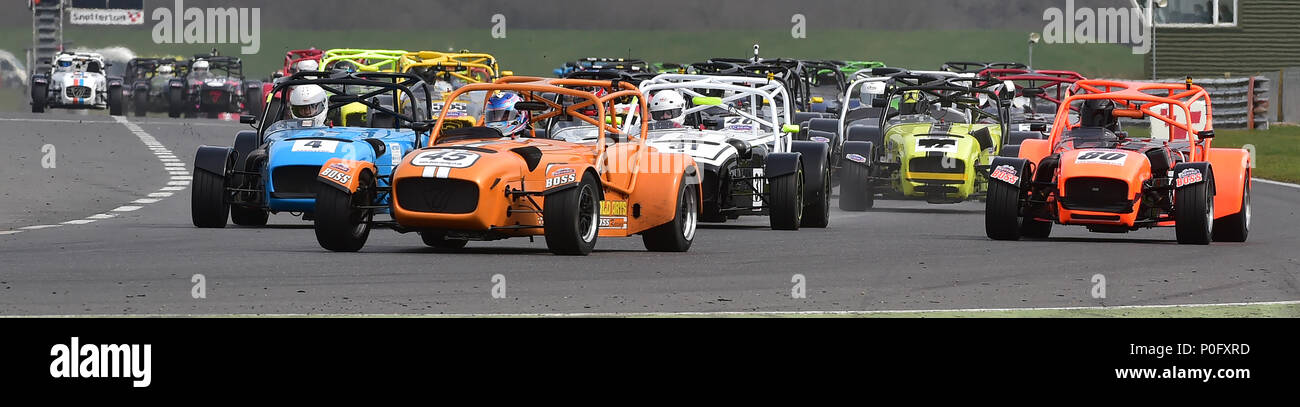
667	105
307	65
443	87
165	69
308	102
200	66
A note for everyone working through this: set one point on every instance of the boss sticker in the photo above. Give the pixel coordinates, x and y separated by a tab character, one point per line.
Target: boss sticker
936	145
1101	157
561	177
613	222
1188	177
450	158
315	146
335	175
1007	174
856	158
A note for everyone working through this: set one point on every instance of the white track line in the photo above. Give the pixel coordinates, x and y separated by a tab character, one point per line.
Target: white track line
179	175
665	314
1278	183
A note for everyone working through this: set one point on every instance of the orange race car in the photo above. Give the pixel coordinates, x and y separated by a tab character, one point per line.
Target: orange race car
1090	172
497	179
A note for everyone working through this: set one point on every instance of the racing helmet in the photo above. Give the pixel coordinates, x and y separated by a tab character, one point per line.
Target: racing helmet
667	105
64	61
1098	113
165	70
443	87
200	67
502	115
307	65
345	66
308	102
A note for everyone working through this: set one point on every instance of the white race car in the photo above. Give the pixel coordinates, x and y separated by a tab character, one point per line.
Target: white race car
737	129
76	81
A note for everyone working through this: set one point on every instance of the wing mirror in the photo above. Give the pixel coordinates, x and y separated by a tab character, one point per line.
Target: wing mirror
421	126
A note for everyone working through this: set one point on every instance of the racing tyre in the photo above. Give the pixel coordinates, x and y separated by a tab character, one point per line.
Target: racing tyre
677	235
1194	213
175	102
208	206
243	216
1002	212
340	225
40	98
115	102
140	103
440	241
1035	229
856	192
573	218
1236	227
818	212
254	101
785	200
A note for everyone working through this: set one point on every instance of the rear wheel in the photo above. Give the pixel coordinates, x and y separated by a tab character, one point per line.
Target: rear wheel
141	103
208	206
243	216
573	218
439	240
1236	227
856	191
677	235
253	100
785	200
341	225
175	102
40	97
1194	213
115	101
818	212
1002	212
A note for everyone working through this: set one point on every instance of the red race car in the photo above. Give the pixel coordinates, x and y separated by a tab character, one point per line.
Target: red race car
1089	172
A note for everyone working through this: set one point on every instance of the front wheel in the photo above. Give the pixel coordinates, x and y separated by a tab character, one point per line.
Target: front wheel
785	200
1194	213
818	212
40	97
856	191
341	224
678	234
1002	212
115	102
573	218
208	206
141	103
243	216
175	102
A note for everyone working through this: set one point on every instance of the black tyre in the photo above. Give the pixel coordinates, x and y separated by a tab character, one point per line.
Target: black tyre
1236	227
678	234
1194	213
856	192
253	100
785	200
1002	212
40	98
722	191
208	206
115	101
340	225
243	216
573	218
140	102
817	213
440	241
175	102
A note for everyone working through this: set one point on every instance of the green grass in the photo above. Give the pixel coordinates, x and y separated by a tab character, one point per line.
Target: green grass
1276	150
536	52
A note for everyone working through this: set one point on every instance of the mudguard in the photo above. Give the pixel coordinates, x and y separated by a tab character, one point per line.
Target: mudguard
858	153
1231	176
344	174
245	142
1188	174
780	164
865	133
1009	170
816	156
560	177
215	160
140	86
176	83
1034	150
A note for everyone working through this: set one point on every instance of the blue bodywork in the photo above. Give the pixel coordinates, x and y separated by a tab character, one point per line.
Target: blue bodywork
316	145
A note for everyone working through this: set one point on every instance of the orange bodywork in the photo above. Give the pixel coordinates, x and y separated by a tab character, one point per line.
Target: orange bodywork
1230	166
640	184
345	174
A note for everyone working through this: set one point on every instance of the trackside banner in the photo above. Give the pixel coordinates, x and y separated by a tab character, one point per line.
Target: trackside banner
94	16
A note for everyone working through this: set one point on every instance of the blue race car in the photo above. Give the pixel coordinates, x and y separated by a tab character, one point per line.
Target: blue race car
275	167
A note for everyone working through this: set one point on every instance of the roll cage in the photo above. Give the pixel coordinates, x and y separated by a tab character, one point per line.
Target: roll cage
461	66
367	60
760	93
366	87
961	92
1140	100
219	66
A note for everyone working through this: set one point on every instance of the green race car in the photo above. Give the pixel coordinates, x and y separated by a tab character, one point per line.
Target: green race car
917	135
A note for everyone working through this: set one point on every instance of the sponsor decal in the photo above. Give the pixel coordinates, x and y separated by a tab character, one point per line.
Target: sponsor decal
936	145
562	171
451	158
101	16
335	175
1188	177
613	222
820	139
613	208
315	146
1108	157
341	167
856	158
561	180
1007	174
